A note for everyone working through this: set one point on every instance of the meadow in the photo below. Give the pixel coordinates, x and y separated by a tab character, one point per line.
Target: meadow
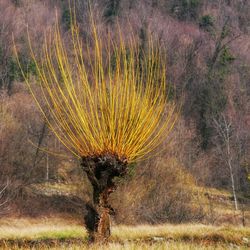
59	233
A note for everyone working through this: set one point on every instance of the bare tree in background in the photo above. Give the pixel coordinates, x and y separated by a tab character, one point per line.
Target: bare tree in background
224	129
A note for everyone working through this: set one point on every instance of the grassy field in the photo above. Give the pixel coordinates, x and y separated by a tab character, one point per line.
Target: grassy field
57	233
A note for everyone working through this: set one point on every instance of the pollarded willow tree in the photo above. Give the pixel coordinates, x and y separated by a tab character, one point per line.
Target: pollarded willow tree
106	102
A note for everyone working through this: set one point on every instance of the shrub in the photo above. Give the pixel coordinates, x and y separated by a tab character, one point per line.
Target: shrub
66	18
111	10
206	22
186	9
162	191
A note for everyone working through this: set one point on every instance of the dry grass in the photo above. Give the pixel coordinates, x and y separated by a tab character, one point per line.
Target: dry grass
60	233
195	233
132	246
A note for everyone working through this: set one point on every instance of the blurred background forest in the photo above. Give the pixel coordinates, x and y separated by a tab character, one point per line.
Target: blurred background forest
203	173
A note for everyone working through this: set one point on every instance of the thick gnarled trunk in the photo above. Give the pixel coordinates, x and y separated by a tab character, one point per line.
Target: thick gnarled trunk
101	172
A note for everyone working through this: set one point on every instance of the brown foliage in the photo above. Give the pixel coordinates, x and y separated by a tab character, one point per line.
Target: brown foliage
158	191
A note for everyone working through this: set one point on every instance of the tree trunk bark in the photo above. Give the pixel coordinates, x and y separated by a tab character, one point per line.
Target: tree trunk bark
101	172
233	185
103	226
97	220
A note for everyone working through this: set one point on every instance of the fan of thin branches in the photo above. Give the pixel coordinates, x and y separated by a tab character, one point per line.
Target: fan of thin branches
105	97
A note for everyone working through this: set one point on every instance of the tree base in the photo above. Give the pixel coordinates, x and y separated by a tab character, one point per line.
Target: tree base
101	172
